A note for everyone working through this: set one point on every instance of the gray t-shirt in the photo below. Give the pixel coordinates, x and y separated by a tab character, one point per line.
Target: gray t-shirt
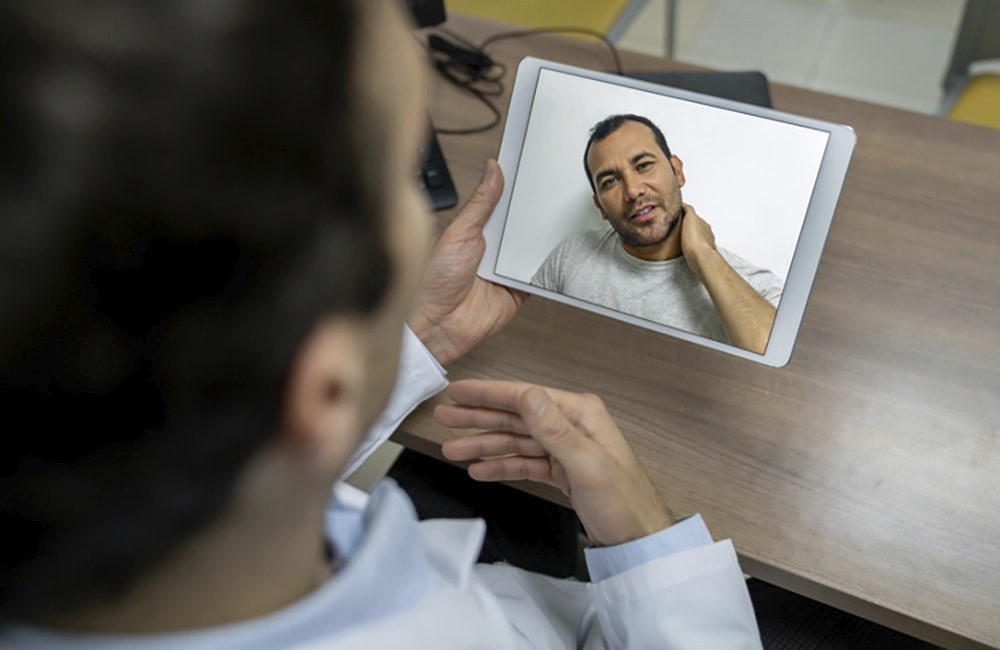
593	266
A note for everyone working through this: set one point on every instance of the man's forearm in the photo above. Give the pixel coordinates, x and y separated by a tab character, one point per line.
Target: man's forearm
746	316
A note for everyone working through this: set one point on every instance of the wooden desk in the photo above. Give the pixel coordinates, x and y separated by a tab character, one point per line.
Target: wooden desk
866	473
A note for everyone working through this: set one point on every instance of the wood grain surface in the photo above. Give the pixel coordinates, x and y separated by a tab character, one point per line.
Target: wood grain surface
865	473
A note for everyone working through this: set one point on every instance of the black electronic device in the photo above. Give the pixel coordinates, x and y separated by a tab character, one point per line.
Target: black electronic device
427	13
433	175
735	154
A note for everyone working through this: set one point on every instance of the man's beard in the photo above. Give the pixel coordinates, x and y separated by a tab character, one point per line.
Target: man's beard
638	238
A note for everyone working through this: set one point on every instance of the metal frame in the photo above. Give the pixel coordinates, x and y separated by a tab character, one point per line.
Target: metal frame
632	10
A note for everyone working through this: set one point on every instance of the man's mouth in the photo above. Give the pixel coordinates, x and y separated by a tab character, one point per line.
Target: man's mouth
645	213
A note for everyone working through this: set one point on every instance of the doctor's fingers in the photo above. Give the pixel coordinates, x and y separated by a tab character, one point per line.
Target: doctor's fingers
492	444
535	411
515	468
508	396
457	416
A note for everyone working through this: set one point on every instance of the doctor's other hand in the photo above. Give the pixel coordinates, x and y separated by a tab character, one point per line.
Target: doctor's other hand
563	439
455	308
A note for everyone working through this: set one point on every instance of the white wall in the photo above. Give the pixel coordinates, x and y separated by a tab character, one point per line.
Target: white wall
749	177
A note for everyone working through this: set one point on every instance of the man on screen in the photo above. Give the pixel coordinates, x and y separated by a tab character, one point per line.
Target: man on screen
658	260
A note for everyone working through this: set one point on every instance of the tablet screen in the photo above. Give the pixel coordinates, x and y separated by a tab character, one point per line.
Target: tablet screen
619	192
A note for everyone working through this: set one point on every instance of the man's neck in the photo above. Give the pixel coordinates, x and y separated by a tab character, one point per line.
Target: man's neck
256	559
668	249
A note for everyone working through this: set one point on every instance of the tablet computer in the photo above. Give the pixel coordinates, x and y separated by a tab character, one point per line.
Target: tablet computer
697	217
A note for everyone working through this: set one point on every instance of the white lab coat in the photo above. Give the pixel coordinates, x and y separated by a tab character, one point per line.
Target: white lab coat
693	599
409	584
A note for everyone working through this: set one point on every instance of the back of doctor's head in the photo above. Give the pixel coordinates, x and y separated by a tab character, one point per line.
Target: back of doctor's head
180	203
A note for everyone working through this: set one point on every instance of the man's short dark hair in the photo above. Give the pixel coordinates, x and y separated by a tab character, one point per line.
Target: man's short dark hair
181	202
609	125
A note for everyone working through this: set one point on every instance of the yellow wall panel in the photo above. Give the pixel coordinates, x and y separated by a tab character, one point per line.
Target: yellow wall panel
598	15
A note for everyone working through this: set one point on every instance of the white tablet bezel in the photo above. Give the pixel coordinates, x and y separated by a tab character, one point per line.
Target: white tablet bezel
815	226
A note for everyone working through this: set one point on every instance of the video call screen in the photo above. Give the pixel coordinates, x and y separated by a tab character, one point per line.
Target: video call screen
749	177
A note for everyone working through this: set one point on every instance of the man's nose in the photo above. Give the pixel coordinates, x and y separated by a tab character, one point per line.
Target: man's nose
633	187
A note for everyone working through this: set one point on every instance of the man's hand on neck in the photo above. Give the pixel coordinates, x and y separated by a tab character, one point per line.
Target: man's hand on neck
697	241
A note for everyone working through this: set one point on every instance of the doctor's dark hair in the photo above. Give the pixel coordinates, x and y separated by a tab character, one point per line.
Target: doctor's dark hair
182	198
609	125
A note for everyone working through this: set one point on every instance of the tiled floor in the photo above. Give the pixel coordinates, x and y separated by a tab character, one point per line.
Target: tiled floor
891	52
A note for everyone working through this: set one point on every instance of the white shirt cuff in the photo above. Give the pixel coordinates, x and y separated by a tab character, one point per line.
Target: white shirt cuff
420	377
606	561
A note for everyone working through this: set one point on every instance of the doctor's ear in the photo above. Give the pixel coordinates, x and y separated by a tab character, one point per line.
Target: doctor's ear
597	204
324	395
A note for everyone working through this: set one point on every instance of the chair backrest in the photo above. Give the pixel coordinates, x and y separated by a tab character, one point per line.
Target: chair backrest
978	38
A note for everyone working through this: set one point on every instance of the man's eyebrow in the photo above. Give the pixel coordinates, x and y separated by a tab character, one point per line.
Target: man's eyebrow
639	156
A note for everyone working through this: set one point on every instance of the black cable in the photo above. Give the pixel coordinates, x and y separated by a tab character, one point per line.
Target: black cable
560	30
467	65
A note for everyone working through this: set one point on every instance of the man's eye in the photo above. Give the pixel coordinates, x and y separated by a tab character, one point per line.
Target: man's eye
643	166
608	183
